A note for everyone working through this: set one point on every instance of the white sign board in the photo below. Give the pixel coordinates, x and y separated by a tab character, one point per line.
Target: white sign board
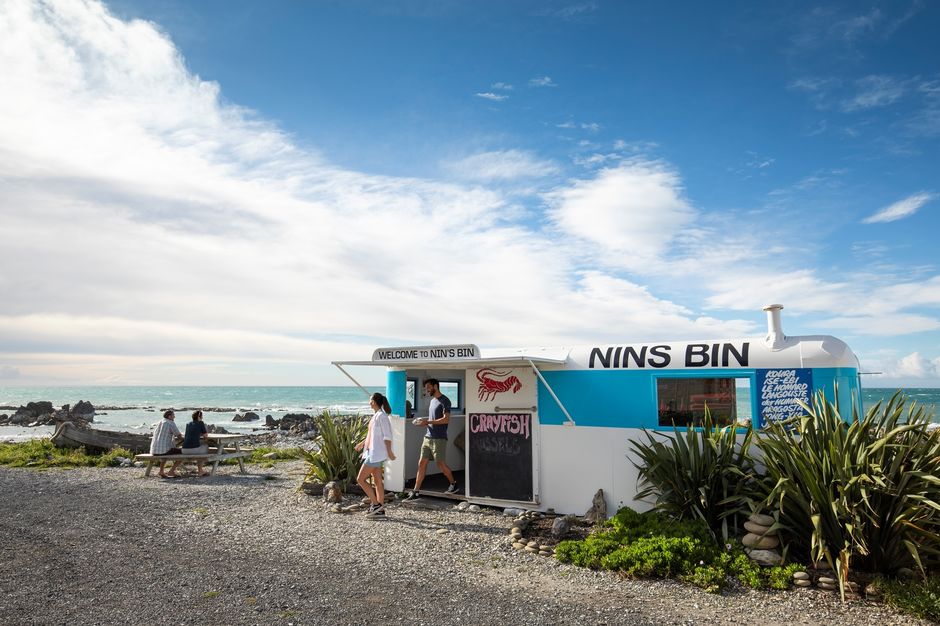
426	353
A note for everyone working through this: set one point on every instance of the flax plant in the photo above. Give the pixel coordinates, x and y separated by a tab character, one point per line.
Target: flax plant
335	458
701	473
862	493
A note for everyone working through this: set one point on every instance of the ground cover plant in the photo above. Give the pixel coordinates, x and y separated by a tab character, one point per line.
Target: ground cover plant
42	453
704	472
657	545
335	457
917	597
862	493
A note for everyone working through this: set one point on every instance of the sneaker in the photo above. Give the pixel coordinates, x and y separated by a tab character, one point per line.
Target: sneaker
372	508
379	511
412	495
453	488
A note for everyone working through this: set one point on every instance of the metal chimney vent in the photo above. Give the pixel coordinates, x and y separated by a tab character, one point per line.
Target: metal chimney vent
775	337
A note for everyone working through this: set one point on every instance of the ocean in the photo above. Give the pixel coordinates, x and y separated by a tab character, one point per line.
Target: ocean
141	407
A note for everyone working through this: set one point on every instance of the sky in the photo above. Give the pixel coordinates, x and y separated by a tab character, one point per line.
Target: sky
239	193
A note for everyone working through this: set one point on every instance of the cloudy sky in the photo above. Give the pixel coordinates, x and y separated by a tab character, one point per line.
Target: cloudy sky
226	192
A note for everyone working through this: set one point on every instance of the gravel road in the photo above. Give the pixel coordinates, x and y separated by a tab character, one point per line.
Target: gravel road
108	546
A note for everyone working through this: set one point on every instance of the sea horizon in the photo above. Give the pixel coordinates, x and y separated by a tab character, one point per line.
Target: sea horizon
136	408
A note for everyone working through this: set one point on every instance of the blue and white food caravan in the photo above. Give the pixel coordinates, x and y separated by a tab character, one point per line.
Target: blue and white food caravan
547	427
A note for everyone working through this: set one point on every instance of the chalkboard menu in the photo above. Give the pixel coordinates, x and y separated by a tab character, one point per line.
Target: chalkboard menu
500	455
780	392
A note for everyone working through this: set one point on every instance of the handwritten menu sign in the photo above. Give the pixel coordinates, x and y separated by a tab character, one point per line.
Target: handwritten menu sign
781	391
500	455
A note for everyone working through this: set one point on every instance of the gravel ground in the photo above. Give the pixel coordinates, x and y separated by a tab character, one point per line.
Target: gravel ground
108	546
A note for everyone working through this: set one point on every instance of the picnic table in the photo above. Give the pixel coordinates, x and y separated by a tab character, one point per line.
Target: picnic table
221	453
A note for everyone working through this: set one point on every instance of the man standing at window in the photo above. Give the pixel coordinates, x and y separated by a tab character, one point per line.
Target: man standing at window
435	440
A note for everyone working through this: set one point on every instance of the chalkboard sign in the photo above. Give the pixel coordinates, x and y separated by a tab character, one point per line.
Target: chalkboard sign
500	455
780	392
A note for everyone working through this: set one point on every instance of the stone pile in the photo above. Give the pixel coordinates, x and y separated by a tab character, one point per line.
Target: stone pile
44	414
761	541
516	536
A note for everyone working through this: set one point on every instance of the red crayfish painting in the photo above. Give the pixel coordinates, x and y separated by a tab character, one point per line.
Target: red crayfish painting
493	382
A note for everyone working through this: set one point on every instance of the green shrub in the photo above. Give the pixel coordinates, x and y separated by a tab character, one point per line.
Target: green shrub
655	545
335	457
700	473
920	598
859	494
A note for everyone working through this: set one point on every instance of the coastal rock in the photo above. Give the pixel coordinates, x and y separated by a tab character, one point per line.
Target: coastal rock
246	417
83	408
598	511
35	409
212	428
251	415
270	422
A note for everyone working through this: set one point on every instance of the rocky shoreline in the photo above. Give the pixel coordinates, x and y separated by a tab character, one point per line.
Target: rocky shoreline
107	546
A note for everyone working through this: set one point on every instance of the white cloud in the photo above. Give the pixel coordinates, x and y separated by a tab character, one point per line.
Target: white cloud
914	365
566	125
635	209
489	95
900	209
502	165
542	81
593	127
502	86
874	91
148	223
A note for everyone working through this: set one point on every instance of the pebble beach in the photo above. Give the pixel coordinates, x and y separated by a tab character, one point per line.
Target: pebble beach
108	546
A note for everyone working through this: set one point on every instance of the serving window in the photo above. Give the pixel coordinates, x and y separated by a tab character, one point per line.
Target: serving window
682	401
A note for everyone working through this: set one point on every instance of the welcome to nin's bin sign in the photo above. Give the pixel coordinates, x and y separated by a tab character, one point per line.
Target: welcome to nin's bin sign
426	353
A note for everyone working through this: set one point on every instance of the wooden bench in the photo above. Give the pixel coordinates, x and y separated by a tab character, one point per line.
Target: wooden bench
213	457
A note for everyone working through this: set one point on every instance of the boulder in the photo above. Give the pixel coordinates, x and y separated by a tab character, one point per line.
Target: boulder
312	487
251	415
244	418
270	422
561	526
598	511
757	542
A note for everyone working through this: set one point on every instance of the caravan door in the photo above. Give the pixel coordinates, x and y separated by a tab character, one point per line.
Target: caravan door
502	434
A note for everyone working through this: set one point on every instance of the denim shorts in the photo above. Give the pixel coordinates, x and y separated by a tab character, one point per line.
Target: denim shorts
376	465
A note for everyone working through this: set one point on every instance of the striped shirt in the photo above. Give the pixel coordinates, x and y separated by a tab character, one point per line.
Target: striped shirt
163	436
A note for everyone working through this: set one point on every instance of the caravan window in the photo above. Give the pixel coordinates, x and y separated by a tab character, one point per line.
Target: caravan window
451	389
411	394
682	401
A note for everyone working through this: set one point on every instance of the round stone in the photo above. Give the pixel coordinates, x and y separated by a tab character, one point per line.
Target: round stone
515	530
763	520
516	536
760	543
533	544
531	549
825	580
802	583
518	546
442	531
800	576
544	553
545	547
758	529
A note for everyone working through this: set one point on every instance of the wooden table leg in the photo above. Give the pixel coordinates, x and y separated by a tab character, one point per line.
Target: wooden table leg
241	461
149	467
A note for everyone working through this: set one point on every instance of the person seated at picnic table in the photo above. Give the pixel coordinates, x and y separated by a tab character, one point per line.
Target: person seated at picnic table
196	440
165	436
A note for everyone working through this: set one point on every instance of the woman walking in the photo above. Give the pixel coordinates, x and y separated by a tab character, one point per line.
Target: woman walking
376	449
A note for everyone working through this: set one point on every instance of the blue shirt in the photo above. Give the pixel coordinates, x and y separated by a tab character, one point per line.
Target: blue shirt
436	411
194	430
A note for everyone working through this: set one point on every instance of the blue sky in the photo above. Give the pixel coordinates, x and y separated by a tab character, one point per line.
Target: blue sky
240	192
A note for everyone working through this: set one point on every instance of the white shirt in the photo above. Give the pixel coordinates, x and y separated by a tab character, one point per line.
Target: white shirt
381	432
163	436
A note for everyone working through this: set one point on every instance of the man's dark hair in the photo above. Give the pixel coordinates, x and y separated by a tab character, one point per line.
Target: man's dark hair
167	413
432	381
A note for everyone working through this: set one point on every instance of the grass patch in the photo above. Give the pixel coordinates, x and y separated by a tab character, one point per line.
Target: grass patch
917	597
42	454
210	594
